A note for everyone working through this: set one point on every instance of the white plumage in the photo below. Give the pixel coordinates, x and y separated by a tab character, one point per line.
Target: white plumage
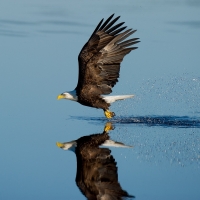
111	99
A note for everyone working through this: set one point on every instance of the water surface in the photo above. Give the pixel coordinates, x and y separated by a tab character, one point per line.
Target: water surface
40	42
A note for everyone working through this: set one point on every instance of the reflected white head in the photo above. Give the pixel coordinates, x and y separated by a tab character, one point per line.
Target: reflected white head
71	146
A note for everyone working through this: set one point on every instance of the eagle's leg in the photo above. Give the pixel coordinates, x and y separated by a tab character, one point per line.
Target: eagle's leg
109	114
108	127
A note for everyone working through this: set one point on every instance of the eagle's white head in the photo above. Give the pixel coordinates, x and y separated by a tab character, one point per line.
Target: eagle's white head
68	95
67	145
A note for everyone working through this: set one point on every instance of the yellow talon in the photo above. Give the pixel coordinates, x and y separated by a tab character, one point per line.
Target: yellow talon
108	127
109	114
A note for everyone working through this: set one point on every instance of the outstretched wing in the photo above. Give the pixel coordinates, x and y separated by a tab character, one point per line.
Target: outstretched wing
100	58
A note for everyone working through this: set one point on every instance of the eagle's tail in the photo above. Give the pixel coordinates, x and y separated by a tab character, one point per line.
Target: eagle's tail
111	143
111	99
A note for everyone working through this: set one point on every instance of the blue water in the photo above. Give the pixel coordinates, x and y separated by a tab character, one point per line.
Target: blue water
40	42
164	121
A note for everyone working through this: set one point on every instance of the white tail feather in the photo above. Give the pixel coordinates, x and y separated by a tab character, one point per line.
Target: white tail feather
111	143
111	99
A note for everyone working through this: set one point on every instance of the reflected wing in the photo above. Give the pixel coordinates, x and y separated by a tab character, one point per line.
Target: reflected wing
100	58
97	176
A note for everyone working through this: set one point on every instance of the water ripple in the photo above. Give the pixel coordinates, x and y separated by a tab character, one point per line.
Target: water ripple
163	121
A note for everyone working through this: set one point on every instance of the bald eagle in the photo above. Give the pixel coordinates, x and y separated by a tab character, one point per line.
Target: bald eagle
99	65
96	176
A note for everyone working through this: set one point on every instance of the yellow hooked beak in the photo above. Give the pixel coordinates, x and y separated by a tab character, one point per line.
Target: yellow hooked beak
60	145
60	96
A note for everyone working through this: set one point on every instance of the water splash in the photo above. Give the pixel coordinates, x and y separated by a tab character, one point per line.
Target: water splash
162	121
178	96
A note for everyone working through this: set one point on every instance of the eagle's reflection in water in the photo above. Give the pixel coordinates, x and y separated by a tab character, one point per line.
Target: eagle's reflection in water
97	176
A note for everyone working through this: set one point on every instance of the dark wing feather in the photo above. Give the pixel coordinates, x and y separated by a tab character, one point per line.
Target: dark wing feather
100	58
97	174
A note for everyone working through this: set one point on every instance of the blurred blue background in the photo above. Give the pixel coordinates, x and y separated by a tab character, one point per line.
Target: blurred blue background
39	45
